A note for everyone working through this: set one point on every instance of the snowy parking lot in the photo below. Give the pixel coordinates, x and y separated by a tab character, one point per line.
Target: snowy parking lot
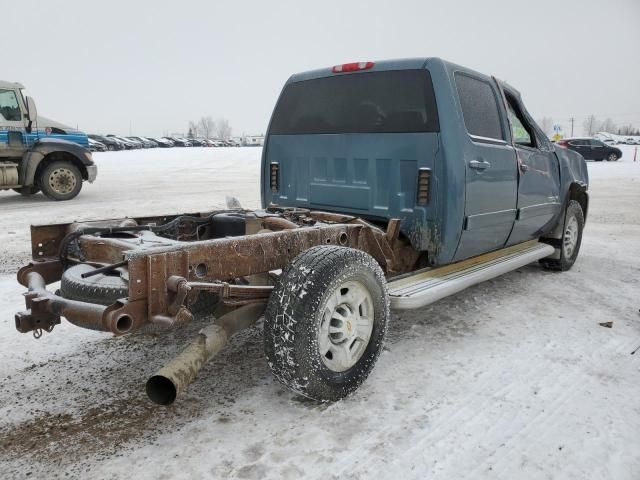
511	379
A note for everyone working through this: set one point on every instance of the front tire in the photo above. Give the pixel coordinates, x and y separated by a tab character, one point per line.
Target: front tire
326	321
571	239
612	157
61	180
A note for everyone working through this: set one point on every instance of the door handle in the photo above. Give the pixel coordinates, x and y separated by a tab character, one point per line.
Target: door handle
479	165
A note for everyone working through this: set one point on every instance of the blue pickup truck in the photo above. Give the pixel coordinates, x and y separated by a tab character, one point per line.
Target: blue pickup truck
39	154
385	185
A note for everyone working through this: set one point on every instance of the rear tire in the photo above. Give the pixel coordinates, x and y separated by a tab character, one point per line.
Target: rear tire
60	180
571	239
326	321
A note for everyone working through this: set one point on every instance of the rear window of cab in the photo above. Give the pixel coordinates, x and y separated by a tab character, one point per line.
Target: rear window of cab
396	101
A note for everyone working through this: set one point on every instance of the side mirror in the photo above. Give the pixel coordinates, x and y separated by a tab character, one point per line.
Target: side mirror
32	111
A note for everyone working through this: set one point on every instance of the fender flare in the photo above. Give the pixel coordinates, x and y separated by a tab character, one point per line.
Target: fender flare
577	191
34	157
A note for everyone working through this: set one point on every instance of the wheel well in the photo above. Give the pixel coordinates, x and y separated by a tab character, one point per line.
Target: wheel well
578	193
61	156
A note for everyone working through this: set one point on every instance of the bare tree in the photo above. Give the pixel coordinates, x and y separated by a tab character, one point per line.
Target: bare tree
626	130
590	125
607	126
222	129
193	129
206	126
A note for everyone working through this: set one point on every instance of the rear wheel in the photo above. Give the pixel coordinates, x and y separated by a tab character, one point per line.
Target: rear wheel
326	321
571	239
60	180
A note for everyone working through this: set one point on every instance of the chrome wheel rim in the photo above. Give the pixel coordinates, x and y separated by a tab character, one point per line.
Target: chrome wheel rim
346	326
62	181
570	239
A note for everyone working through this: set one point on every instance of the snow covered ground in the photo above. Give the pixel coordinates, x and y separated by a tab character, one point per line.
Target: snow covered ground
514	378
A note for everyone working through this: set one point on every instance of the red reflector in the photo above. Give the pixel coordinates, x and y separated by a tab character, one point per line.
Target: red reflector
352	67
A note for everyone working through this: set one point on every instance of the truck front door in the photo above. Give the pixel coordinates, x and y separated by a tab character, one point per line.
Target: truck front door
538	174
491	170
12	128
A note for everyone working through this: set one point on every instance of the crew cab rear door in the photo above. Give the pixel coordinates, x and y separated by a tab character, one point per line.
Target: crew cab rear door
538	173
490	167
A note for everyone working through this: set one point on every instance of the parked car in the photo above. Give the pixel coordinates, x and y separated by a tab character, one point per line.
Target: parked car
197	142
128	144
146	143
169	140
162	142
138	144
96	146
592	149
110	143
179	142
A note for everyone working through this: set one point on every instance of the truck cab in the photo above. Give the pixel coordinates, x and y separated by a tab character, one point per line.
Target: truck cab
37	153
451	152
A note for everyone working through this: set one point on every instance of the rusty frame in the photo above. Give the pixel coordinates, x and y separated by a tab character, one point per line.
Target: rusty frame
163	280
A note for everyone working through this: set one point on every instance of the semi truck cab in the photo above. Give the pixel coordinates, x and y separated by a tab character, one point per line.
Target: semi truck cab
39	154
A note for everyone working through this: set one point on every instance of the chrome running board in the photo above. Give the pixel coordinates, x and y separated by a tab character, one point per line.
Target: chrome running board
425	287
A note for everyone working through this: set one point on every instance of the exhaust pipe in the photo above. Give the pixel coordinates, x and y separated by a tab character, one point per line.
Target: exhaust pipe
164	387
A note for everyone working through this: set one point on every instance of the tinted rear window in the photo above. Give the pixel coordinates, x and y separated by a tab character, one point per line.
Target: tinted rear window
395	101
479	107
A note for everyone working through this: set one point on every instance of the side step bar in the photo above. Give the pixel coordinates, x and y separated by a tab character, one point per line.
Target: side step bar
425	287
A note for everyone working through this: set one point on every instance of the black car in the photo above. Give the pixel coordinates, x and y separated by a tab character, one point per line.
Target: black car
592	149
110	143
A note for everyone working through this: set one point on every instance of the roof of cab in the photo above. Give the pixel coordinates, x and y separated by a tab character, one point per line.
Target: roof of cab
378	66
10	85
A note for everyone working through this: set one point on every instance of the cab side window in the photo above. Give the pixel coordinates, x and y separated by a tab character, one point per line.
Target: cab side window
9	107
521	131
479	107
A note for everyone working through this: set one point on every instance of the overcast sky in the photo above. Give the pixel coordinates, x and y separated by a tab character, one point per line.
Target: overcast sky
156	64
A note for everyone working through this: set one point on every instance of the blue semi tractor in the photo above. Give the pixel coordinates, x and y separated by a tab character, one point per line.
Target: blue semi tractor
39	154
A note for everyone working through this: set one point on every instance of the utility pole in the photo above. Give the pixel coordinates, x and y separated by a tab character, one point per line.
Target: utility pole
572	120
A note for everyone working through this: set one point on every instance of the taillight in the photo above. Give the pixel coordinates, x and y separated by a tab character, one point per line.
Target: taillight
424	186
352	67
275	173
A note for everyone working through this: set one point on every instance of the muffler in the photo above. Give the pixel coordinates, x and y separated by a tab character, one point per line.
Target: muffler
164	387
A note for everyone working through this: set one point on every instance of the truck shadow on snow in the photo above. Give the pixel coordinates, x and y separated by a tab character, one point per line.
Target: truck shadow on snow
97	393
